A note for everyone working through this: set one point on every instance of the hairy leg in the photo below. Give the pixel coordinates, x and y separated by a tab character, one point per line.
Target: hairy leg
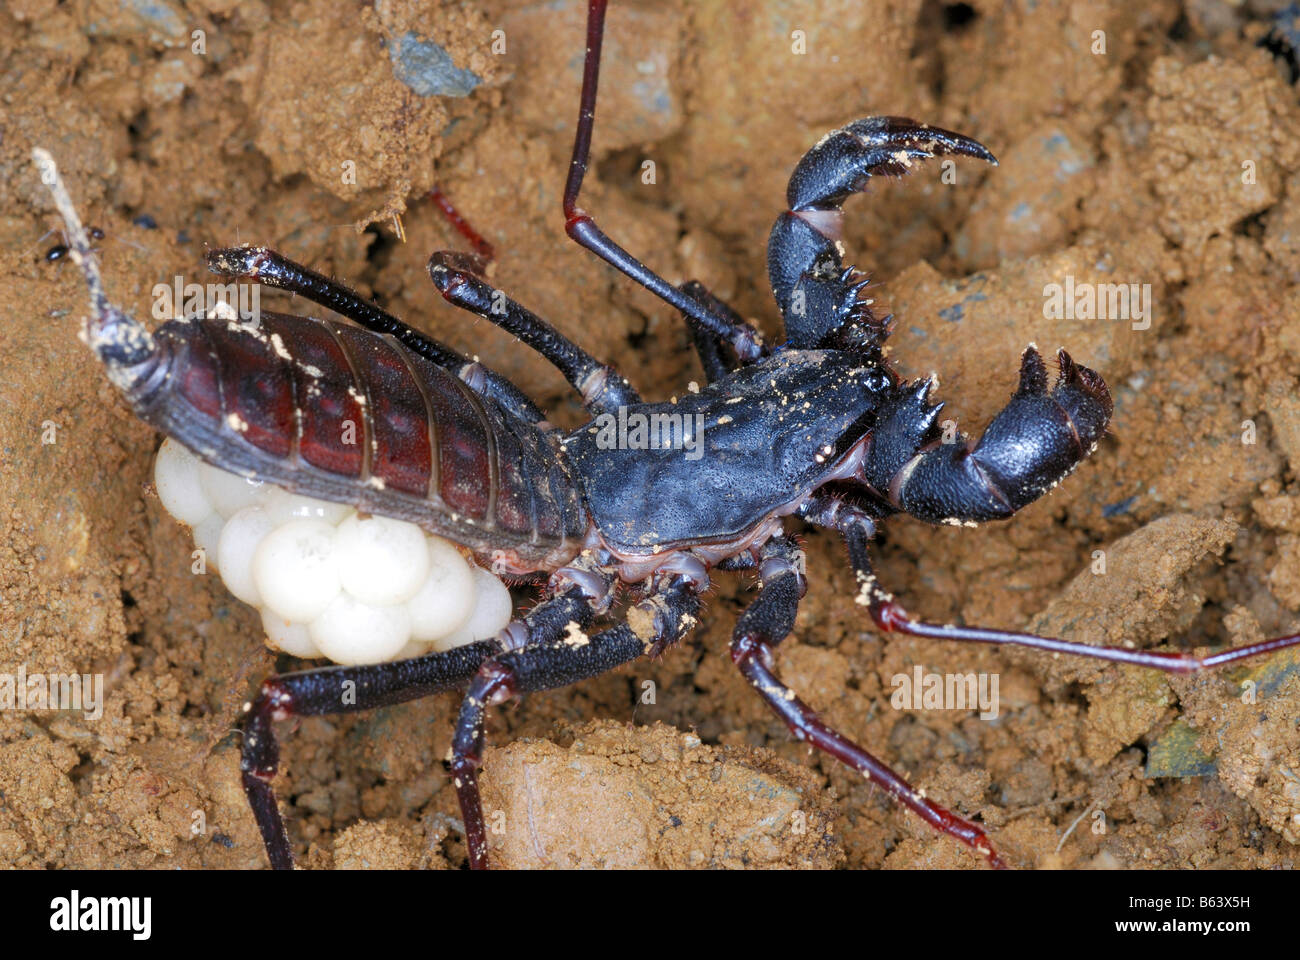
602	388
576	594
662	618
763	625
583	229
709	346
330	690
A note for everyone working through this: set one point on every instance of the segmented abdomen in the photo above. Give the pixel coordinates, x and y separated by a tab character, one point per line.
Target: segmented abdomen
339	413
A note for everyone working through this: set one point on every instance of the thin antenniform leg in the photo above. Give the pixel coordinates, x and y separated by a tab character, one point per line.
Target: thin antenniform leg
763	625
670	608
483	251
857	529
579	225
275	270
601	386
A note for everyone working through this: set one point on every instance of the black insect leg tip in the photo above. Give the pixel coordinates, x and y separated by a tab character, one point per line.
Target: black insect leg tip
450	270
766	622
237	261
317	692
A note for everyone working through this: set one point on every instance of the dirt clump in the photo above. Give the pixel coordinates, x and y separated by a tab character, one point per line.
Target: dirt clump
625	797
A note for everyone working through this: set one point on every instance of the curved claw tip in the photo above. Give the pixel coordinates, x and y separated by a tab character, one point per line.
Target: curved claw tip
973	148
966	146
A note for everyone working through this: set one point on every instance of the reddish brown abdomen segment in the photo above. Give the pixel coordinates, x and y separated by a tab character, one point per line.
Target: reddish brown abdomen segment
333	411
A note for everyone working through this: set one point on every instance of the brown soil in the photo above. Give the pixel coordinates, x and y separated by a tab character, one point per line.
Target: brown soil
1164	160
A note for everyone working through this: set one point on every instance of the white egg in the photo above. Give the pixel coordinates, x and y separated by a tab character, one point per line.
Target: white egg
328	583
292	638
492	612
447	597
381	561
229	493
239	539
295	570
349	631
176	476
284	505
413	649
207	537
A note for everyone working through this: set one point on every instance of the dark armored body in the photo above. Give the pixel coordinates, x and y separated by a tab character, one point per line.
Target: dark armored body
770	434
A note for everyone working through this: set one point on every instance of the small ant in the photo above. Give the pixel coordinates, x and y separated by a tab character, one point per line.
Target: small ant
60	250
